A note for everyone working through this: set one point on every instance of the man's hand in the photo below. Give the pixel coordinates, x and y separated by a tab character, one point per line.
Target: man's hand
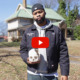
64	77
29	62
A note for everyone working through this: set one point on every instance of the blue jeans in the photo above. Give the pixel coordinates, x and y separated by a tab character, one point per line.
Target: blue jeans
40	77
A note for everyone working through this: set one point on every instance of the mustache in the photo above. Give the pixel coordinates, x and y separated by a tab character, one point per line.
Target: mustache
38	16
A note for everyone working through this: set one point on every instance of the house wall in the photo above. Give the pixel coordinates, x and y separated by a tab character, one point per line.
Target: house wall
25	22
53	20
13	24
13	34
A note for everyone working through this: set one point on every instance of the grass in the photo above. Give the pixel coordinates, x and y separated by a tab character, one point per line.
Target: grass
74	47
12	66
74	72
9	44
74	59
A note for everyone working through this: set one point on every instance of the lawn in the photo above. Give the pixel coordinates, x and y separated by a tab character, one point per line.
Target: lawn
74	50
13	68
74	47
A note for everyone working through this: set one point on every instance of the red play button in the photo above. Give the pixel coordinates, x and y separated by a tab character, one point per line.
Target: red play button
40	42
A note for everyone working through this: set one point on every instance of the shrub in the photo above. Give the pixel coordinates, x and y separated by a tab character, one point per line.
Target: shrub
15	39
77	32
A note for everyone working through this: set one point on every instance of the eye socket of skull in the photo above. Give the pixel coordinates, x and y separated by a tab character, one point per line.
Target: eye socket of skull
31	57
35	57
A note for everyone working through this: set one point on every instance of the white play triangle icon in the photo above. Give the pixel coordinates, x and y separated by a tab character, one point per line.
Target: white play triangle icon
40	42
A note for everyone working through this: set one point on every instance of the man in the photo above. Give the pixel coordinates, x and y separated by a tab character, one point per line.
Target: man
57	52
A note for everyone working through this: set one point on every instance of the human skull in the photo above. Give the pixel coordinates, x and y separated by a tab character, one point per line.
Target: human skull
33	55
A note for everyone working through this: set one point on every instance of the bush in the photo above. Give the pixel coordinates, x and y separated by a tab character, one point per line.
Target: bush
77	32
15	39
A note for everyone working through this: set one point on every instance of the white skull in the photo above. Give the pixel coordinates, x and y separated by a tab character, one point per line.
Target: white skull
33	55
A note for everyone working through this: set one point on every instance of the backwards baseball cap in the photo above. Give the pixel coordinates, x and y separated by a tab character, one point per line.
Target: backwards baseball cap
37	6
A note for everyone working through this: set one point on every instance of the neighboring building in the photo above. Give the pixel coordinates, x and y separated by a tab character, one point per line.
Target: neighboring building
2	38
22	18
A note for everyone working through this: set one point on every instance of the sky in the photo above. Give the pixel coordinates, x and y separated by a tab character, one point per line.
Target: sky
8	7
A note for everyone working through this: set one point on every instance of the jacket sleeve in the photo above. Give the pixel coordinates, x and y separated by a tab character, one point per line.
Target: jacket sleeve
23	48
64	57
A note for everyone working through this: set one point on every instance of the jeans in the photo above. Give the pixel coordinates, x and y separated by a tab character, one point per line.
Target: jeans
40	77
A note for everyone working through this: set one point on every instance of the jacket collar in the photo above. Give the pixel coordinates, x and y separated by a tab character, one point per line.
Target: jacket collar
33	27
50	28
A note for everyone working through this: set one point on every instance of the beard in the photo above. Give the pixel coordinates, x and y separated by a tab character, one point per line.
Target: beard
40	21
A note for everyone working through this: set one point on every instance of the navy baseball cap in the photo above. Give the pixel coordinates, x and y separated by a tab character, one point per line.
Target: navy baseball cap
37	6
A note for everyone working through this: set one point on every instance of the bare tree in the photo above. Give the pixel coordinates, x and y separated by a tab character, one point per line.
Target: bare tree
3	28
70	4
46	3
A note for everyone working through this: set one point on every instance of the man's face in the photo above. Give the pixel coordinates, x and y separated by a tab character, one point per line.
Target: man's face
39	16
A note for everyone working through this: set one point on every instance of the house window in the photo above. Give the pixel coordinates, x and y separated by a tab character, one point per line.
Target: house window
21	32
12	33
24	22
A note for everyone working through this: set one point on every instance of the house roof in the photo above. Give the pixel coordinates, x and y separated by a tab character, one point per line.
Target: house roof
20	13
26	13
56	23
